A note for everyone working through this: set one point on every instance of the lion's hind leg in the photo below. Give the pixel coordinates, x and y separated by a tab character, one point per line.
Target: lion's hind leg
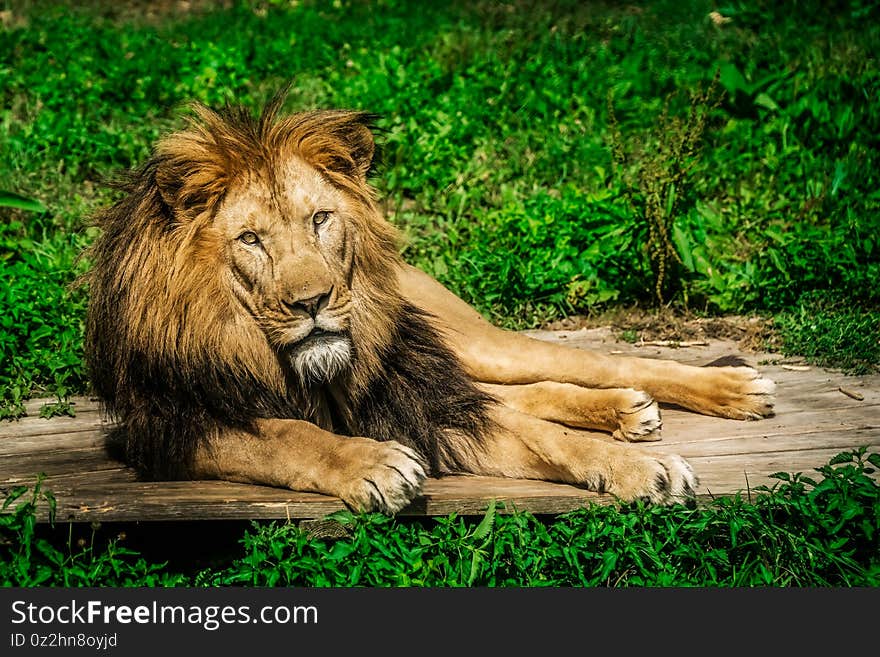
523	446
493	355
630	415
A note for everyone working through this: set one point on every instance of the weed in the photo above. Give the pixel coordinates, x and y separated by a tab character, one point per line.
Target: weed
629	335
655	177
58	408
13	200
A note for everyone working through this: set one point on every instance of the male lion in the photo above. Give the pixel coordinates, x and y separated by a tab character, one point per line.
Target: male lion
251	320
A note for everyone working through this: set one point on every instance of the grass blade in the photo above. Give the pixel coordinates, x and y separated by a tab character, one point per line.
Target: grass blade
13	200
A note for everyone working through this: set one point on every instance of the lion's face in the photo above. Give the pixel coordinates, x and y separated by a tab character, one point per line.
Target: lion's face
245	245
287	247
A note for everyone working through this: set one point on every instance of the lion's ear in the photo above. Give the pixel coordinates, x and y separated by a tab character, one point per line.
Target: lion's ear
340	141
168	182
361	143
190	172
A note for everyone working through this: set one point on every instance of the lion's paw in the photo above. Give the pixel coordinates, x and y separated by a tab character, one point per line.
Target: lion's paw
638	418
666	479
385	477
742	393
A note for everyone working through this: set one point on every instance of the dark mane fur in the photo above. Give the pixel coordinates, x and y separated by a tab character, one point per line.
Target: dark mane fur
423	398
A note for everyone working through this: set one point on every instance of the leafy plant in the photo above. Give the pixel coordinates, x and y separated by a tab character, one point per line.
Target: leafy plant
41	327
657	185
547	256
819	530
29	559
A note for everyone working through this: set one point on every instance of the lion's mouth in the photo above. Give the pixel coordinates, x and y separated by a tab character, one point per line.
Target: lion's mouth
318	335
297	335
318	332
321	355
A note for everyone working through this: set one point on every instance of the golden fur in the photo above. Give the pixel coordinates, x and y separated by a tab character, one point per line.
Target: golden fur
182	312
251	319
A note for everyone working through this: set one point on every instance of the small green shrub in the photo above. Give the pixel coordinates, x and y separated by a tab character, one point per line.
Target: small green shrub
27	559
547	256
41	326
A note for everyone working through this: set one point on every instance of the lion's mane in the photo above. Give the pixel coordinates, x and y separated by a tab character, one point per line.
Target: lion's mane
176	358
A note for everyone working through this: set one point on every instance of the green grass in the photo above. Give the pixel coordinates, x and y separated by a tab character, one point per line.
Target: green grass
831	332
498	166
804	531
497	157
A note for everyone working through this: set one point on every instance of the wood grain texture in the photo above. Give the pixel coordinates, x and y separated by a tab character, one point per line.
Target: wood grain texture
814	421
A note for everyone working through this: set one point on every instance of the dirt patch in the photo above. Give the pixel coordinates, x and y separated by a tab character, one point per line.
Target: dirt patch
634	324
137	11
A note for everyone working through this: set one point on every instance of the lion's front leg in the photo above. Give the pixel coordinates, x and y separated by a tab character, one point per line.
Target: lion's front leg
366	474
628	414
526	447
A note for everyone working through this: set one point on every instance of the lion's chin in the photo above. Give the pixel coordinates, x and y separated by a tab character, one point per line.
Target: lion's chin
320	358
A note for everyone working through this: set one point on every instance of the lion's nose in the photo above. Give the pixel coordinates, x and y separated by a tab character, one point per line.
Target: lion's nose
312	305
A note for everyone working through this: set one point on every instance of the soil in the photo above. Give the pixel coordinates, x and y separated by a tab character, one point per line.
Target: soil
138	11
634	324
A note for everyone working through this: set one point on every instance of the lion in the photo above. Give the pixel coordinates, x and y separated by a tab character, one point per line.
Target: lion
251	319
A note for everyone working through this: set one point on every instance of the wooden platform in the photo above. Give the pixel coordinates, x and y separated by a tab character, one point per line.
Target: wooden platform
814	422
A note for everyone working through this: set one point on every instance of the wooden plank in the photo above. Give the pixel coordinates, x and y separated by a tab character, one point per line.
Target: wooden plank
464	495
77	480
792	430
95	436
210	500
113	495
189	500
841	440
80	404
26	467
471	495
726	475
86	501
37	426
814	422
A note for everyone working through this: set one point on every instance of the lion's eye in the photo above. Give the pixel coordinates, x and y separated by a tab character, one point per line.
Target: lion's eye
320	217
249	237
